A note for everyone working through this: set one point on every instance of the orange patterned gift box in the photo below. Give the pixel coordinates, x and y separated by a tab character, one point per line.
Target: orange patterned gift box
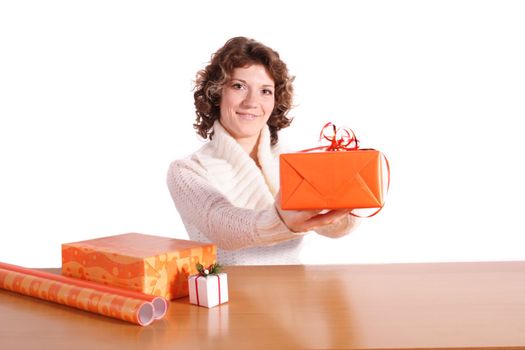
150	264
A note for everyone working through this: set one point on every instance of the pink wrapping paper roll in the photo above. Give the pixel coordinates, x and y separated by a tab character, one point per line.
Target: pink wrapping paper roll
125	305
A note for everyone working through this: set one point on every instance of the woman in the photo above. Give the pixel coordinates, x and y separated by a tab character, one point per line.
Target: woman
227	192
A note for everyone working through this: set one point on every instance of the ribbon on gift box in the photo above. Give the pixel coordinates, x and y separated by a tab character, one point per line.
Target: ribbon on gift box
344	139
197	288
341	140
213	270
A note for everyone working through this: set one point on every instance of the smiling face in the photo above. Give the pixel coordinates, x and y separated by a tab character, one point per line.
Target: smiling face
247	102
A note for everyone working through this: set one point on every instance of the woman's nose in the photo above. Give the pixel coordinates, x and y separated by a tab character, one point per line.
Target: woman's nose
250	100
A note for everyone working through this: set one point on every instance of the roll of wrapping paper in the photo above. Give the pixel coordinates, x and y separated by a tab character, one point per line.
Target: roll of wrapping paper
160	304
114	302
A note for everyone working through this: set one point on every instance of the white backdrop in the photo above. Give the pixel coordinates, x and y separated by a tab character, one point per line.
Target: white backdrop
96	100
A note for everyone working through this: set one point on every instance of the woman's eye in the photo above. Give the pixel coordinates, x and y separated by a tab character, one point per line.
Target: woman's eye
267	92
237	86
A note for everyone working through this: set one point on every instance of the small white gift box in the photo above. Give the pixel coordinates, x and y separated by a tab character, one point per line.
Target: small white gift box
208	291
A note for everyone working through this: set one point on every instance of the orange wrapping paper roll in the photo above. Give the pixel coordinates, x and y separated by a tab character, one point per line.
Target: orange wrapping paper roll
160	305
134	310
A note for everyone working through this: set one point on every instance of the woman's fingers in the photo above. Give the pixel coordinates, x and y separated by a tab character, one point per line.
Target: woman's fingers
306	220
305	215
327	218
296	219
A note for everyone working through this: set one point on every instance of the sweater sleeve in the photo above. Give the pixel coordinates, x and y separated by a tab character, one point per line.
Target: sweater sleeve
207	209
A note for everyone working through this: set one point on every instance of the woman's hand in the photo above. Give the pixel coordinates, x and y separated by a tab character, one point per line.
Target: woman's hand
307	220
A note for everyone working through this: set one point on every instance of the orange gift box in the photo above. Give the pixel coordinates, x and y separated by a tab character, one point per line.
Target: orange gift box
331	180
153	265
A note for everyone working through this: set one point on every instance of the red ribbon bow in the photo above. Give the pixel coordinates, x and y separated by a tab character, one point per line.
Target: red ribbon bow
341	139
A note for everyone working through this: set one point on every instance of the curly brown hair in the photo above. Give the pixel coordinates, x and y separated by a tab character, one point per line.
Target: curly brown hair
240	52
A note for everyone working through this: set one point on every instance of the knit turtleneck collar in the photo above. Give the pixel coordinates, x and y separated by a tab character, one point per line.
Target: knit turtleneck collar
226	146
231	168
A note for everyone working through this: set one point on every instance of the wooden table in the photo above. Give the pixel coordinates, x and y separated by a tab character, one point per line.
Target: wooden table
398	306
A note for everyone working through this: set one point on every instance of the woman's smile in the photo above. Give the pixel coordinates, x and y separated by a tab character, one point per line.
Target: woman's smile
247	116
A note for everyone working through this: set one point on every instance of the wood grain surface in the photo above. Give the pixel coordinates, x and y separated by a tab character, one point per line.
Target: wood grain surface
393	306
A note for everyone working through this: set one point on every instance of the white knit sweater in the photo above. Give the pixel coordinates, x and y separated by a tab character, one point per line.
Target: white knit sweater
222	196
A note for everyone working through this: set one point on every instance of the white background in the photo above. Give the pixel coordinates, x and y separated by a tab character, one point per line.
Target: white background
96	100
